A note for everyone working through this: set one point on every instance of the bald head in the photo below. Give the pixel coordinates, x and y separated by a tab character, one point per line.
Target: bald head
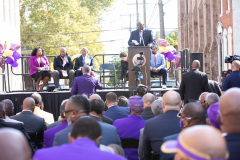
229	106
210	99
148	99
235	65
94	96
28	104
171	100
86	69
202	98
13	145
201	138
195	64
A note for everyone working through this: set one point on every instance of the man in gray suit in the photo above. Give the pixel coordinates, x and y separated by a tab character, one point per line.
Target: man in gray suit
79	106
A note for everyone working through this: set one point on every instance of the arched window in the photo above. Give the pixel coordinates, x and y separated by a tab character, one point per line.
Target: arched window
221	8
230	47
225	49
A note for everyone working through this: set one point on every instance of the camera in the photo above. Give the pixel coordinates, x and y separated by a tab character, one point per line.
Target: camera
230	59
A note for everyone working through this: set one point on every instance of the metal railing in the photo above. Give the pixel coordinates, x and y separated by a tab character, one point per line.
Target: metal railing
3	74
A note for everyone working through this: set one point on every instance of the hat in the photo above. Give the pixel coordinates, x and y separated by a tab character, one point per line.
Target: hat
213	114
174	146
136	103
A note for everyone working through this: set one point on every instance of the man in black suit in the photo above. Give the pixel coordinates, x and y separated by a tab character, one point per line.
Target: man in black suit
162	125
229	121
193	83
144	37
63	67
35	125
83	60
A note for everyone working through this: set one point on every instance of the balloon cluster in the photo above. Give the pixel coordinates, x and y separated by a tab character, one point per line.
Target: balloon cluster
11	54
165	49
177	60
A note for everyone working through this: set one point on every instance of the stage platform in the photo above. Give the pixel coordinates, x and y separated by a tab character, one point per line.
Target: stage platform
52	100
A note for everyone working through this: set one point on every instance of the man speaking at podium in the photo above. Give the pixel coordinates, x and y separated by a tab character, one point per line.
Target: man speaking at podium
141	36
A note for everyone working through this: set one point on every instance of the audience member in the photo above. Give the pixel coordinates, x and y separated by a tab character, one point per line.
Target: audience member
229	121
192	114
156	107
104	118
212	112
85	135
54	124
114	111
63	67
117	149
38	110
214	87
13	145
9	108
202	99
122	101
210	99
141	90
35	126
50	133
129	128
161	126
97	110
148	99
193	83
198	142
85	84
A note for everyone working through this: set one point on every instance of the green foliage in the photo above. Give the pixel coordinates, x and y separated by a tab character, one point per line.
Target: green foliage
52	24
173	38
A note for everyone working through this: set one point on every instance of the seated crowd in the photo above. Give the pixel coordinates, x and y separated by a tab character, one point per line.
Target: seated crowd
141	127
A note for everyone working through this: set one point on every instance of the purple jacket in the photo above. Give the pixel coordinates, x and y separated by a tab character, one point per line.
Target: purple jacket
33	63
129	128
82	148
50	134
85	84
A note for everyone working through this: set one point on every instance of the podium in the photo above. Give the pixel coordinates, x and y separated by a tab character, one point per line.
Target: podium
133	53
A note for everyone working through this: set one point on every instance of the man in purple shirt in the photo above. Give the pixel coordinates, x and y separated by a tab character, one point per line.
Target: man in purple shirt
85	135
129	128
85	84
50	133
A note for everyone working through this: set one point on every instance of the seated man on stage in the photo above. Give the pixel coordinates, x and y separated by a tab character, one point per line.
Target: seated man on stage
86	84
83	60
141	36
63	67
124	66
157	65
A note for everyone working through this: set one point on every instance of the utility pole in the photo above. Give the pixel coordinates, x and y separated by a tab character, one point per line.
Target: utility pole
137	10
161	17
144	13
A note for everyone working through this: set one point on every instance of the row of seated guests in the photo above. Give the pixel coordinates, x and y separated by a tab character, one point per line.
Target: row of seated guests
63	66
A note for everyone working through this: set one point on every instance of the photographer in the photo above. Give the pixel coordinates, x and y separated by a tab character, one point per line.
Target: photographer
233	80
157	65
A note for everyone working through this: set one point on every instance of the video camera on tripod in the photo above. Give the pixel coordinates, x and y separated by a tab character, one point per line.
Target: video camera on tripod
230	59
137	69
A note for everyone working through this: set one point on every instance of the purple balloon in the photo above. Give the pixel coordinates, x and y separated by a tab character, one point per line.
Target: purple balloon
14	47
16	55
10	60
170	56
174	51
15	64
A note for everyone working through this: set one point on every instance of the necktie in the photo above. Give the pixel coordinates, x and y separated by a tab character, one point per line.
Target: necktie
155	60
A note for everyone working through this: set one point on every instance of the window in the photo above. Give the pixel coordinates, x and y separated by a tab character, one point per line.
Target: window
228	7
221	8
230	41
225	49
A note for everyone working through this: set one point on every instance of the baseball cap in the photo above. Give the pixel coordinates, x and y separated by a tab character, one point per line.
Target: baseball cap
213	114
136	103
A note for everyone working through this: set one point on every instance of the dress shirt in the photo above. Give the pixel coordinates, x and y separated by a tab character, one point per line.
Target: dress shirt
160	61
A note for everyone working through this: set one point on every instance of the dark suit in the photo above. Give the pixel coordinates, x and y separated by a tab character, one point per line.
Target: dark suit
233	144
107	119
214	87
80	63
116	112
34	125
147	37
156	129
193	84
147	114
85	84
168	156
55	124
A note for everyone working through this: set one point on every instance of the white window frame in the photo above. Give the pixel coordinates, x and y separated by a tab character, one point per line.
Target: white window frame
228	6
221	8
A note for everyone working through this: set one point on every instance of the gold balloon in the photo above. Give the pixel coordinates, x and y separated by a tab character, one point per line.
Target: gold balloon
8	53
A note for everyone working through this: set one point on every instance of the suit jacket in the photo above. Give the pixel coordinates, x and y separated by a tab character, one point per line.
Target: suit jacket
33	63
147	114
58	62
48	117
147	37
233	144
85	84
107	120
35	126
214	87
168	156
156	129
50	134
82	148
193	84
54	124
109	135
79	62
116	112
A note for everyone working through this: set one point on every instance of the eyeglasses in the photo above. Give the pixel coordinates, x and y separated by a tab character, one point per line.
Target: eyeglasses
179	115
65	112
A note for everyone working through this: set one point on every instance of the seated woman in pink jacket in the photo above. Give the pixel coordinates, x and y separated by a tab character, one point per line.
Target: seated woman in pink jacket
36	62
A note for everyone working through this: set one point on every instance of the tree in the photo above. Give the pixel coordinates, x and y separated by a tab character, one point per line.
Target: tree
173	38
52	24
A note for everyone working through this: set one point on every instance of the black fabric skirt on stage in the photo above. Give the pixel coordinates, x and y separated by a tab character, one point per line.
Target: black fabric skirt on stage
41	74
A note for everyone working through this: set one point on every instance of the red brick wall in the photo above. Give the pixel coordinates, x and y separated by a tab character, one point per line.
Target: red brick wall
226	18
